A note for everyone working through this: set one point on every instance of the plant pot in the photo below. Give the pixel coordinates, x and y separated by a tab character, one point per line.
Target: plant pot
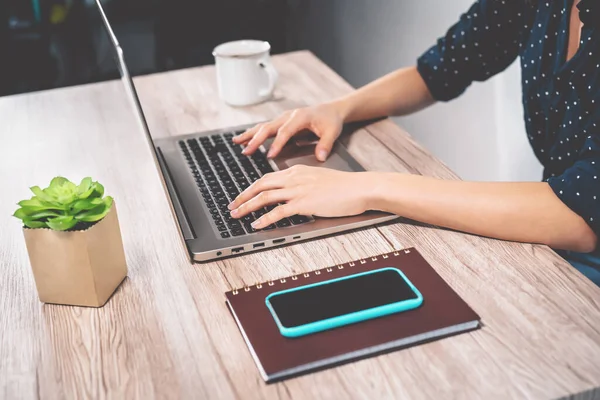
79	268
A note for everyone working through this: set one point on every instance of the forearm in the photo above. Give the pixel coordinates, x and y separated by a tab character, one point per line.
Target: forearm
398	93
524	211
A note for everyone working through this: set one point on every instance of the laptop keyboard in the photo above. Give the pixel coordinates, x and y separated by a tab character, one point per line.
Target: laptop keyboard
221	172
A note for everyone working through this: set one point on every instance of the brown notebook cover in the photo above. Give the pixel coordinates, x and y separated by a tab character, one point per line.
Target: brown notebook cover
443	313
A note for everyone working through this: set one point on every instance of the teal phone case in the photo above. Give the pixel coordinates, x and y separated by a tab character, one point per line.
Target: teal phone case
350	318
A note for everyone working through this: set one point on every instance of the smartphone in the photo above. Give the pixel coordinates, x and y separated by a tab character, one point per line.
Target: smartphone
337	302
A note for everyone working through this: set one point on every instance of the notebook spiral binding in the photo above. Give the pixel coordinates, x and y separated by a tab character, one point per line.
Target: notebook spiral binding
319	271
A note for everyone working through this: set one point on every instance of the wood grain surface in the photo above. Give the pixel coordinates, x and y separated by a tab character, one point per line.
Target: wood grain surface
166	333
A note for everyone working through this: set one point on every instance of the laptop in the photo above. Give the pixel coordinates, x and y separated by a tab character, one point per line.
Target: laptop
203	172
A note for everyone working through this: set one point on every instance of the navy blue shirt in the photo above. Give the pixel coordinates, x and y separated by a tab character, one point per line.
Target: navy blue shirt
561	98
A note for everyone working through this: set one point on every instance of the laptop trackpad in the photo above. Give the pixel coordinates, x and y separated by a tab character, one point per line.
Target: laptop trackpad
334	161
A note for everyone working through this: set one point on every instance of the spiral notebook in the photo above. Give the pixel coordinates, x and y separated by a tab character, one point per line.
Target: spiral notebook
443	313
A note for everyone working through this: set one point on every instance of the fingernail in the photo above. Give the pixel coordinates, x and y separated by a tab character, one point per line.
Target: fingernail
270	153
322	155
256	223
230	205
234	213
245	151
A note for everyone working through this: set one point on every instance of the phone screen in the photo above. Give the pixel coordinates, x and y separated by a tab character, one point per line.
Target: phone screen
341	297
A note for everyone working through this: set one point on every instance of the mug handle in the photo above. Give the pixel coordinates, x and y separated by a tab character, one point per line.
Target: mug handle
272	74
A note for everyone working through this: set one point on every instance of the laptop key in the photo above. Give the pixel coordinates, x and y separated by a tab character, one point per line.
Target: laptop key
222	228
249	227
234	225
268	228
238	232
220	199
283	223
299	219
225	235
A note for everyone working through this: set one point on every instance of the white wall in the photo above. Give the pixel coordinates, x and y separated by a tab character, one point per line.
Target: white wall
480	135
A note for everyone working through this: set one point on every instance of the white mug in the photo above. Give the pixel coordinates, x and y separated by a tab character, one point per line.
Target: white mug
245	74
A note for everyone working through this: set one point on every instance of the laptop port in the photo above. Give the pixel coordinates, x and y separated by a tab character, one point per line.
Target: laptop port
296	237
237	250
276	241
257	245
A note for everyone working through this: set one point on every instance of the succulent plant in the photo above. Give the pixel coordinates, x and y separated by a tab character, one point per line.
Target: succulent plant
64	205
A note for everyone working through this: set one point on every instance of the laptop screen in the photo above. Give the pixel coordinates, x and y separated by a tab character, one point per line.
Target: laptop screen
117	53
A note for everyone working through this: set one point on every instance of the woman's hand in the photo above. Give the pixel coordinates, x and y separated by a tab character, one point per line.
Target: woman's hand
305	190
325	120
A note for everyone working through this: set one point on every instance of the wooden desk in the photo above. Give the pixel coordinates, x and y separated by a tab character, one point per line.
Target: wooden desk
167	333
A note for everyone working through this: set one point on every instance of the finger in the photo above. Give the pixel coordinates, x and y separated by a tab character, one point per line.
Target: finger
279	212
263	134
285	132
261	200
246	136
269	181
324	146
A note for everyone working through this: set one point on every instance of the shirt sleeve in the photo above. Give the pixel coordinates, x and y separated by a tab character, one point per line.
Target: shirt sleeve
484	41
579	186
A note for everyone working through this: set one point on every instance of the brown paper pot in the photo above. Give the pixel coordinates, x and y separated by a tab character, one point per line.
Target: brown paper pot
80	268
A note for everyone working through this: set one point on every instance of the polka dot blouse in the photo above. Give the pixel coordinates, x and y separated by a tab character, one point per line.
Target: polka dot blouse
561	98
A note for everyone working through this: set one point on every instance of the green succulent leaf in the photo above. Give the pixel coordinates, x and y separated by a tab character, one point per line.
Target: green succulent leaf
98	190
42	195
31	202
96	213
33	210
35	204
33	214
108	201
58	181
62	223
20	213
85	204
44	214
85	188
28	210
34	224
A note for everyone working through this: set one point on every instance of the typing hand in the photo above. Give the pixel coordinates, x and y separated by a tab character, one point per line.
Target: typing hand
305	191
324	120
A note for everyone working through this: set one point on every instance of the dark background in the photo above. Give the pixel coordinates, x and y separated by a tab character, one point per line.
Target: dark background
359	39
46	44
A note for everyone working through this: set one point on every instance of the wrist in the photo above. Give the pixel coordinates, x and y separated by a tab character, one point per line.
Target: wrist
374	189
343	108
